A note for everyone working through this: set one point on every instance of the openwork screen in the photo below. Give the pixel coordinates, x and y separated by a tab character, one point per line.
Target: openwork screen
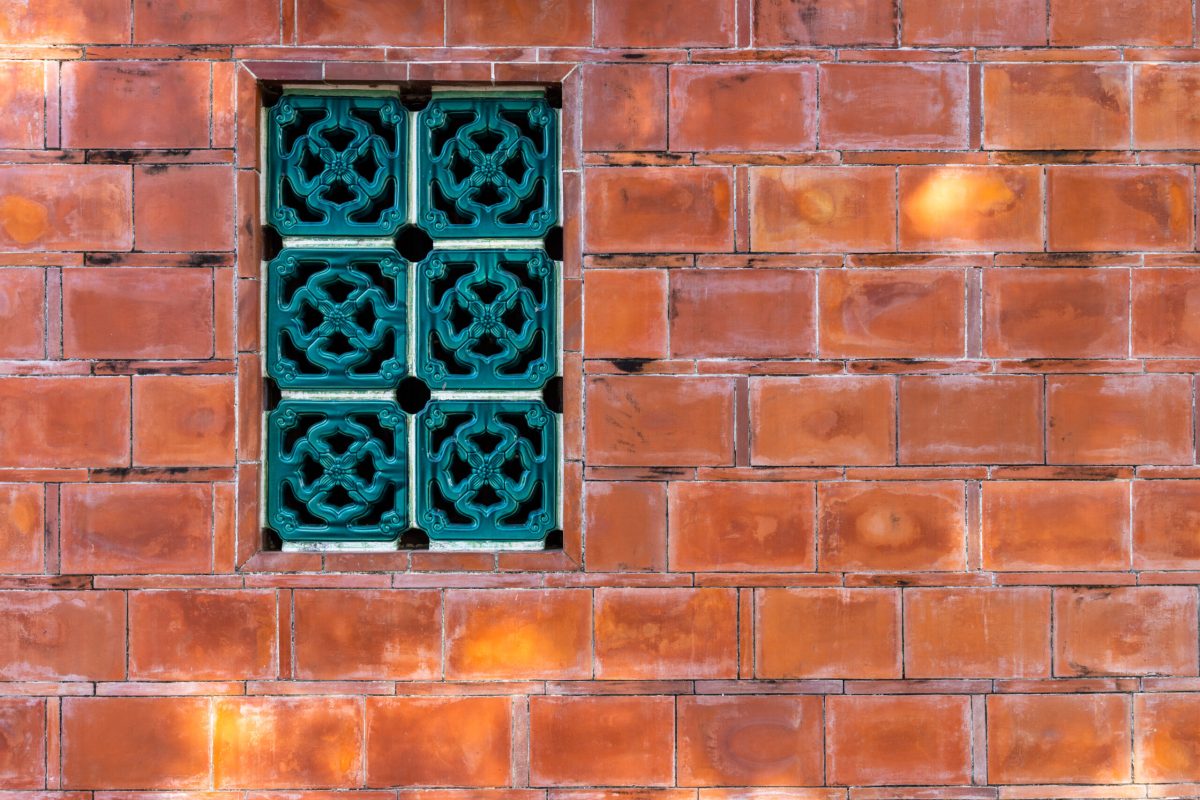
417	395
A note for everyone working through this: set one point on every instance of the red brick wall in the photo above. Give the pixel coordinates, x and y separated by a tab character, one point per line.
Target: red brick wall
882	342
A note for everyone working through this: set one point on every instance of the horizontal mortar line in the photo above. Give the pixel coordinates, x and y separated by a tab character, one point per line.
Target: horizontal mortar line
390	394
388	242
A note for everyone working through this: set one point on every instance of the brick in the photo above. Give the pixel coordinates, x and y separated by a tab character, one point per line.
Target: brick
1166	312
136	528
1120	208
727	526
191	635
626	526
1133	630
893	106
314	742
742	313
659	210
1058	738
665	23
207	22
64	422
22	743
1055	525
166	202
1056	313
370	634
750	741
830	22
822	209
659	421
1120	22
1167	737
827	633
22	313
1166	515
62	635
516	22
609	741
1120	419
889	313
970	208
65	207
1056	106
664	634
624	107
135	742
22	528
822	420
438	741
980	632
1164	115
626	313
518	634
369	22
885	741
891	526
721	107
978	23
183	420
60	22
22	104
137	312
971	419
135	104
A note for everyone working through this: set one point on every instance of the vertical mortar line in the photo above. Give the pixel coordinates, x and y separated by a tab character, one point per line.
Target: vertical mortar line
211	96
1053	632
1132	105
903	659
1045	419
896	421
1045	181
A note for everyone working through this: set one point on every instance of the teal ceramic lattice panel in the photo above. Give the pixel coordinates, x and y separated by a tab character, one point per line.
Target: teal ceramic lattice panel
487	471
487	167
337	318
336	165
486	319
337	471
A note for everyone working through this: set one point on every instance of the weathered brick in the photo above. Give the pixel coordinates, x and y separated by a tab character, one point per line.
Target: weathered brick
822	209
659	209
827	633
971	419
516	22
1166	515
721	107
22	104
665	23
23	313
1120	22
893	106
656	634
1129	630
1166	743
1164	115
370	22
981	632
822	420
57	635
1120	208
830	22
64	422
135	104
64	22
742	313
970	208
22	528
889	313
1058	738
65	207
626	526
23	743
183	420
1166	312
166	202
607	741
624	107
979	23
1056	106
207	22
626	313
885	741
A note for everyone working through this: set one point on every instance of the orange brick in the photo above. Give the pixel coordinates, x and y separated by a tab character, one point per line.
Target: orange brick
58	635
136	528
822	420
830	22
1120	419
971	419
1055	525
135	104
1120	208
1133	630
891	526
659	210
1058	738
656	634
166	202
750	741
513	22
609	741
626	313
191	635
624	107
22	528
822	209
979	23
1056	106
137	312
885	741
518	634
626	526
23	733
720	107
287	742
370	22
970	208
183	421
659	420
135	742
1166	312
1166	516
980	632
827	633
1164	115
1120	22
727	526
890	313
439	741
1056	313
742	313
22	104
23	313
893	106
207	22
665	23
368	634
64	422
1167	739
65	207
64	22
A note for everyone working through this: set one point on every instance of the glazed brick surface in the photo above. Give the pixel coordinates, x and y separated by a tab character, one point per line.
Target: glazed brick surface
881	331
